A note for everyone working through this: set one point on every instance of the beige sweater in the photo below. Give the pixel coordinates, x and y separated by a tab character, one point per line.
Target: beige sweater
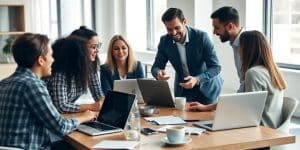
258	79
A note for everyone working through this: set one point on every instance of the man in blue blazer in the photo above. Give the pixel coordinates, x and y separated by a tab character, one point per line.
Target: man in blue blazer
191	53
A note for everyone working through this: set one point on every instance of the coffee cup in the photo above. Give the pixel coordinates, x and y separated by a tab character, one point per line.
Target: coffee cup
180	103
176	134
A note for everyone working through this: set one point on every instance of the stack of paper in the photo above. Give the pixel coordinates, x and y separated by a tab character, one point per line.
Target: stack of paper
161	120
116	144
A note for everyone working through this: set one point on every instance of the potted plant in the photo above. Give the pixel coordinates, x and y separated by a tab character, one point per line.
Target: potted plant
7	48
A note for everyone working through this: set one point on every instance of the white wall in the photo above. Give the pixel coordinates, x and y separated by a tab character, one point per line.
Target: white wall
110	20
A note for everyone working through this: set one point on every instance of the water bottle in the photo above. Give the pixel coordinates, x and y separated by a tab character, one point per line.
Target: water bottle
133	126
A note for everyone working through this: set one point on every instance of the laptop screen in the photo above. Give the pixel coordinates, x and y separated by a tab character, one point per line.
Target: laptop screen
116	108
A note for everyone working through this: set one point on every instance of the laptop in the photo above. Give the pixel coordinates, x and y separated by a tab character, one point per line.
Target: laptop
237	110
129	86
113	114
156	92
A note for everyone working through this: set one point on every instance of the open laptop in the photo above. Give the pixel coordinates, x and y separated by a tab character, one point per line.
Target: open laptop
156	92
236	111
113	114
129	86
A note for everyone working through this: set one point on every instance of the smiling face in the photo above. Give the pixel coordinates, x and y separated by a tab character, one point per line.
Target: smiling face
120	51
220	30
93	47
47	62
176	29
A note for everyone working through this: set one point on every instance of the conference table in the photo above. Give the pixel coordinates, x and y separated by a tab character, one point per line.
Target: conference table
242	138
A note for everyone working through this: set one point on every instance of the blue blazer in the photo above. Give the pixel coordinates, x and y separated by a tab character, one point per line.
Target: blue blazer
107	78
202	61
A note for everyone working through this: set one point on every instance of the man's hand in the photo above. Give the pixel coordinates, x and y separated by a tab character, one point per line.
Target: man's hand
196	106
87	116
190	82
97	105
162	75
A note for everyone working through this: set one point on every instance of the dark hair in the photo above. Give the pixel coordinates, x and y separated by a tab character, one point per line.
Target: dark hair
87	34
28	47
172	13
84	32
226	14
255	50
71	58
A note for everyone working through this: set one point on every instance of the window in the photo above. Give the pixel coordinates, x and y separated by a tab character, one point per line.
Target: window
145	27
285	33
68	15
53	19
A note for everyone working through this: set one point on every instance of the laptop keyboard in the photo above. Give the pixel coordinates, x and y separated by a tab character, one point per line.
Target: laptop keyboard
99	126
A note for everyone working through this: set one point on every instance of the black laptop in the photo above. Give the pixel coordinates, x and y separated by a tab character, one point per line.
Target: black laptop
113	114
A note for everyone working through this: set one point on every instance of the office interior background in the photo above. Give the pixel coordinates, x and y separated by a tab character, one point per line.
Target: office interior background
140	22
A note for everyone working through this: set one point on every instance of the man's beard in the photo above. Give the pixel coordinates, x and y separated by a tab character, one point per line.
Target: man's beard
179	35
225	37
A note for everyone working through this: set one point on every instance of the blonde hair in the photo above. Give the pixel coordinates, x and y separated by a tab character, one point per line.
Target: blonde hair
255	50
110	60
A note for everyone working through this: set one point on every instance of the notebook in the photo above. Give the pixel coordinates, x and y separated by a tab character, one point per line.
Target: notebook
237	110
156	92
129	86
113	114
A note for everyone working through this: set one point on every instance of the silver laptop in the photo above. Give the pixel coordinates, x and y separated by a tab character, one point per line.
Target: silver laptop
129	86
156	92
113	114
237	110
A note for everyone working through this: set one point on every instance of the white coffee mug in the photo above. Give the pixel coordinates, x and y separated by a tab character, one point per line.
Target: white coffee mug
176	134
180	103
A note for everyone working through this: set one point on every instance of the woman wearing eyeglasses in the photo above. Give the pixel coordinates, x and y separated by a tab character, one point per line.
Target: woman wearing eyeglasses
75	70
120	63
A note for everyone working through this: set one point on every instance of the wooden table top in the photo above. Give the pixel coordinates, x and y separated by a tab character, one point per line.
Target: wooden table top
244	138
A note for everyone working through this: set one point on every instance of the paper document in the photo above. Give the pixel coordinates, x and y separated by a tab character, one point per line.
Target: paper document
189	130
116	144
161	120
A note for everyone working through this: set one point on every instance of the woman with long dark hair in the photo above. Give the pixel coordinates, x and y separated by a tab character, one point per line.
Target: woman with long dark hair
75	71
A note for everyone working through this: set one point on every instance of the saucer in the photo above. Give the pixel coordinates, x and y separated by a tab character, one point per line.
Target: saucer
185	140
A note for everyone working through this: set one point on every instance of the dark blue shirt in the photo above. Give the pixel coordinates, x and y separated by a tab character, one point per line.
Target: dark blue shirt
107	78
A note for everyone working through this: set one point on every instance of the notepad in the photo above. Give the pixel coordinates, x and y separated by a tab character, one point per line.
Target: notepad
163	120
116	144
189	130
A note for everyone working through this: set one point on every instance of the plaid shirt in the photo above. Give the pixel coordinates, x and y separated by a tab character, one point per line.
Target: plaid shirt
27	113
64	92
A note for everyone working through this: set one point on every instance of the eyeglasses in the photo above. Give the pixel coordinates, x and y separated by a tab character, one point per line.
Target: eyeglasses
96	46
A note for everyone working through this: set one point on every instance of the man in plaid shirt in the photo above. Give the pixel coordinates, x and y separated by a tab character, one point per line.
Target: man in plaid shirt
26	110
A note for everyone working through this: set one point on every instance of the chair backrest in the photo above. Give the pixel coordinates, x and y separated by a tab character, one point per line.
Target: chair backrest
288	109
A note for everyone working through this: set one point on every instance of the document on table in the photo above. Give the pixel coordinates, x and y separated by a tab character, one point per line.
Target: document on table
189	130
162	120
116	144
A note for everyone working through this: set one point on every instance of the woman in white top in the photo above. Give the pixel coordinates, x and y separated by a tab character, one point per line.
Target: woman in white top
261	74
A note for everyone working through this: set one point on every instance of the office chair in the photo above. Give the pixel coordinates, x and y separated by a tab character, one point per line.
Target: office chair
288	108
